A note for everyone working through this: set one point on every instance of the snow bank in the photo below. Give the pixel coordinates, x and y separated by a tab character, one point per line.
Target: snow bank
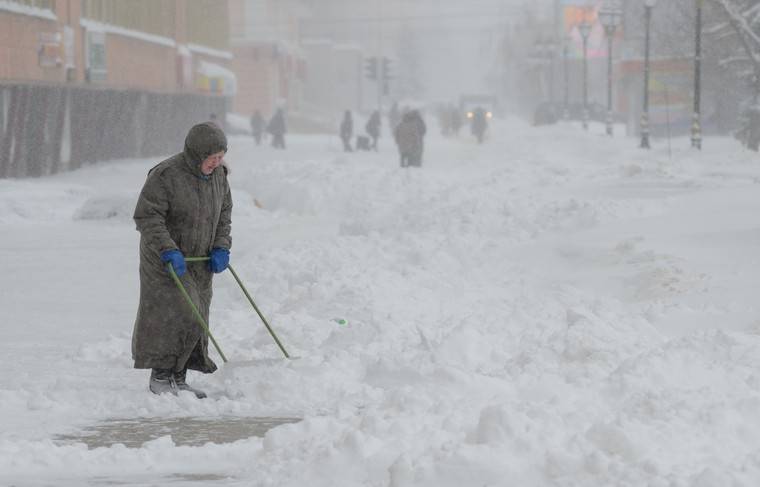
551	308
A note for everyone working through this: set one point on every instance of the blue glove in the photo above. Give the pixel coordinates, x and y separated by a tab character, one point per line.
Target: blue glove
220	259
176	259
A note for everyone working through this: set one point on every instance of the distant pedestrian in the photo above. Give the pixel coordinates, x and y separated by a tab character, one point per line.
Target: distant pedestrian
184	209
479	123
362	143
373	128
257	126
409	135
444	120
214	119
277	128
347	131
456	120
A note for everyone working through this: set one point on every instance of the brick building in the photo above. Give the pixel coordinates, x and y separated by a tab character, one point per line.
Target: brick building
161	45
268	60
84	81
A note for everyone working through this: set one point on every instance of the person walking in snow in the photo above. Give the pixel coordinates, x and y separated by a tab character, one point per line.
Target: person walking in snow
184	209
277	128
479	124
373	128
456	120
347	131
409	135
257	126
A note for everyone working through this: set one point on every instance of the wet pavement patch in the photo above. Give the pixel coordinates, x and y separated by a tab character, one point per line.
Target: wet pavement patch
132	433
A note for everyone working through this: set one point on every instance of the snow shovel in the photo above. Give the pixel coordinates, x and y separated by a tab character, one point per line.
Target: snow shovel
200	319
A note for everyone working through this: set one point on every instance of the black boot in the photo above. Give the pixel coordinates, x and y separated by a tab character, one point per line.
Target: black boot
161	381
179	379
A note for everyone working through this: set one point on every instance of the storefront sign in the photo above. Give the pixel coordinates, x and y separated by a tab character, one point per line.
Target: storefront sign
213	78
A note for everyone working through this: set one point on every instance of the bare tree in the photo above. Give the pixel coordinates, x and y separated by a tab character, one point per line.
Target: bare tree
740	27
742	19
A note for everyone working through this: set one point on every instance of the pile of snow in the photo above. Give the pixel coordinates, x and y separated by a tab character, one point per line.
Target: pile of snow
550	308
102	207
237	123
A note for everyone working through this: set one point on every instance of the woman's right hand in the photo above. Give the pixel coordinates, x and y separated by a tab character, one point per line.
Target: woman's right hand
176	259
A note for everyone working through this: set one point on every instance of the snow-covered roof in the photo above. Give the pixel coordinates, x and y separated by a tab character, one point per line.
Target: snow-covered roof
209	51
95	26
18	8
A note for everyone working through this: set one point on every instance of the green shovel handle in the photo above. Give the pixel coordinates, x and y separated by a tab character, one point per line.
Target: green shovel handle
197	313
247	295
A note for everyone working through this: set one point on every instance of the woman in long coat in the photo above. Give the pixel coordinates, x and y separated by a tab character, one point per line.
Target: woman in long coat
184	209
347	131
409	135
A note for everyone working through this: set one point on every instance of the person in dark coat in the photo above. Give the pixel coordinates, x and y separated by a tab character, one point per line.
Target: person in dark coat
479	124
277	128
444	120
257	126
409	135
214	119
456	120
373	128
347	131
184	209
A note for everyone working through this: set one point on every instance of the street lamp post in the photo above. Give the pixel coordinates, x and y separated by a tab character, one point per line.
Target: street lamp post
551	51
609	17
648	5
585	29
543	54
565	56
538	55
696	126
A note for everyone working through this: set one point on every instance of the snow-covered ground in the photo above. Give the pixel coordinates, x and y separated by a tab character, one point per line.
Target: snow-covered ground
550	308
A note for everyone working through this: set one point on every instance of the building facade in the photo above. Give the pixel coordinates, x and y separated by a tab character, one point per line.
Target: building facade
268	61
159	45
86	81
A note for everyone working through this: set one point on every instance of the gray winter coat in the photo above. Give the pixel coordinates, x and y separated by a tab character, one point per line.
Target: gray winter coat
180	208
410	135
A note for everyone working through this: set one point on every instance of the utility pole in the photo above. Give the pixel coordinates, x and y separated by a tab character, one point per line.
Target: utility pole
373	71
696	126
555	52
648	5
585	29
565	55
609	17
386	75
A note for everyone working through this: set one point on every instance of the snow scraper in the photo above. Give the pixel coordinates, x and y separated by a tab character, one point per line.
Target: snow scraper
200	319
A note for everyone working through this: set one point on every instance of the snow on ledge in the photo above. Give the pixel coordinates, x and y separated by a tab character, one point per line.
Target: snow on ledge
18	8
209	51
95	26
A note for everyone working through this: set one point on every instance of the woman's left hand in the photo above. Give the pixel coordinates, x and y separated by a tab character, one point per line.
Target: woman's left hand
220	259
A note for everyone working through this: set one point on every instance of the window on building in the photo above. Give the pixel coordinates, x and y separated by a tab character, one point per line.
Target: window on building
44	4
151	16
208	23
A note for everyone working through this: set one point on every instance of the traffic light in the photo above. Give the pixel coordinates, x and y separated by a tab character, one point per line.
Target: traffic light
387	69
370	68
